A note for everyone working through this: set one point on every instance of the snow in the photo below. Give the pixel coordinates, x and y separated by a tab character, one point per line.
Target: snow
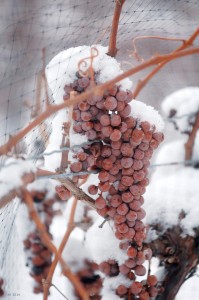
186	103
103	243
111	284
11	175
144	112
63	67
167	197
43	185
176	148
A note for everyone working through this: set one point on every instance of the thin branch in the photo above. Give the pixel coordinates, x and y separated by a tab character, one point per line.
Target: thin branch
70	228
135	52
190	142
47	241
51	109
75	190
112	49
141	83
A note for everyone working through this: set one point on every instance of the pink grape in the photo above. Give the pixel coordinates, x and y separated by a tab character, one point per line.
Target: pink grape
126	162
115	120
122	209
140	270
76	167
110	103
121	96
136	288
100	203
83	106
127	197
115	135
105	120
131	216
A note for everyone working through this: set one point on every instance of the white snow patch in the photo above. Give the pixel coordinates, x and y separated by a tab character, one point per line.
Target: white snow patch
63	67
103	243
167	197
144	112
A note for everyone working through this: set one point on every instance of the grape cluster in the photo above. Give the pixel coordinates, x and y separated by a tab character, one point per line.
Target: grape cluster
1	287
91	280
39	257
121	156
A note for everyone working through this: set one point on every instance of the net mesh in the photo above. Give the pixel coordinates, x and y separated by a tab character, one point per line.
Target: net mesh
26	27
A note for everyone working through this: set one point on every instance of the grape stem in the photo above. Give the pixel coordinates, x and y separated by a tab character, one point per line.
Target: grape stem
112	49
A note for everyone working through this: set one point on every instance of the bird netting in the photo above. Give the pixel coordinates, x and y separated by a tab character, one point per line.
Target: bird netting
31	34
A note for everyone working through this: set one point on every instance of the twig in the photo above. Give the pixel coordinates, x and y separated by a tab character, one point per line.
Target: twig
112	49
47	241
75	190
190	142
51	109
143	82
70	228
135	52
59	291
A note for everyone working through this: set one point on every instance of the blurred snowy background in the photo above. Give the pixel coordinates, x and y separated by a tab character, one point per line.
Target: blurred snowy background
26	27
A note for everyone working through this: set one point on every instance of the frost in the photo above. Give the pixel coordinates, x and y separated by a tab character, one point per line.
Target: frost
63	67
143	112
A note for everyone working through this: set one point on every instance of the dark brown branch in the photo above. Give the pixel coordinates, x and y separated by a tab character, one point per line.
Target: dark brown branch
51	109
190	142
112	49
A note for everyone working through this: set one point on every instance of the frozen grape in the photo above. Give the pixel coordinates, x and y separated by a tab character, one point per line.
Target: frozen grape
105	120
127	197
152	280
110	103
76	167
140	270
100	202
83	106
122	209
121	290
136	288
126	162
115	120
115	135
92	189
132	252
121	96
